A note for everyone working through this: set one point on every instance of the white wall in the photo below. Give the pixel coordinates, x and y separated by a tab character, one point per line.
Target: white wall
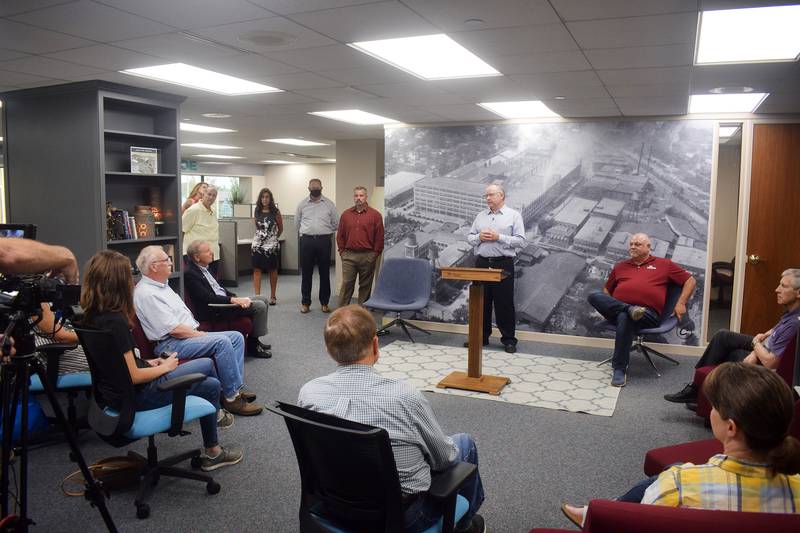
727	203
289	183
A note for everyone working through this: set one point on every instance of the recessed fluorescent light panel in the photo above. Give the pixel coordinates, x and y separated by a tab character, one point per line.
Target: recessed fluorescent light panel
749	35
294	142
198	128
354	116
277	162
211	146
430	57
219	156
727	131
524	109
726	103
200	78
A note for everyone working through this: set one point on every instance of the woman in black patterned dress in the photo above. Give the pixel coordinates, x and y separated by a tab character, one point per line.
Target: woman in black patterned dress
269	226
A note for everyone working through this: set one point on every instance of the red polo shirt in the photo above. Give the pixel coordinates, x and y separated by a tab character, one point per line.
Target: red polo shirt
360	232
645	284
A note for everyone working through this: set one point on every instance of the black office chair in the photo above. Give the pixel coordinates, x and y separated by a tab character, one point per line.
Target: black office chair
125	425
721	278
667	323
349	477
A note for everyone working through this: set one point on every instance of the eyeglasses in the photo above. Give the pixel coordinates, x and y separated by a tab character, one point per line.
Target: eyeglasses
168	260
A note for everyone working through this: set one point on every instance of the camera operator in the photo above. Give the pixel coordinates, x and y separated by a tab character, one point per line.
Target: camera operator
24	256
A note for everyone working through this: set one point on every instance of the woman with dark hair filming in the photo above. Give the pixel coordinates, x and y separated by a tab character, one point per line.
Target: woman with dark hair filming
107	300
265	248
758	468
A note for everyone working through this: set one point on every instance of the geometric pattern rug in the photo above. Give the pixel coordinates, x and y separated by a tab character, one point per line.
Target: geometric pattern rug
536	380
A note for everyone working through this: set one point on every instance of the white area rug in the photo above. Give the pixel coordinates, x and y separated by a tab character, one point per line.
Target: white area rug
540	381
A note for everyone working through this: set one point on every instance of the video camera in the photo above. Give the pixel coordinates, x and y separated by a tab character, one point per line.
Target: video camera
21	297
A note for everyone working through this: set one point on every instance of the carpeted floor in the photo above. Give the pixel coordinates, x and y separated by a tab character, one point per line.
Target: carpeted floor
531	458
536	380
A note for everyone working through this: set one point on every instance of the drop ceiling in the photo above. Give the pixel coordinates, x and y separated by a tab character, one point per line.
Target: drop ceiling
603	58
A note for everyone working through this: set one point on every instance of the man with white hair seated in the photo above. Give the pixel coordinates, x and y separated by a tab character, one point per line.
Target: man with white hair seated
168	322
634	296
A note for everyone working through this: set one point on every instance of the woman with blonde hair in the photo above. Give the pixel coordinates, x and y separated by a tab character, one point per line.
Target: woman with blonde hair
107	301
195	196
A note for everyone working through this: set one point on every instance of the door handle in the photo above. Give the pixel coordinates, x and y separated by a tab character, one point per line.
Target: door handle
753	259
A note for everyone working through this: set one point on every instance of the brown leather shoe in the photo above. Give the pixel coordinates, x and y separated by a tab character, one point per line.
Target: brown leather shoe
304	308
326	309
240	407
249	396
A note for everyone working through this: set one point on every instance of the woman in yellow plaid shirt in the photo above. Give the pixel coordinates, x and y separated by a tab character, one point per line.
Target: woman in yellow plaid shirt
758	468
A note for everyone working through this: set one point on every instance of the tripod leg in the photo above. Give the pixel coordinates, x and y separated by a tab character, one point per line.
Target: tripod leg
6	388
94	492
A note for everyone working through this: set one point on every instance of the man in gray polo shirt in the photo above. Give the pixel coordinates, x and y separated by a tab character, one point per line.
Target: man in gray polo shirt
168	322
316	221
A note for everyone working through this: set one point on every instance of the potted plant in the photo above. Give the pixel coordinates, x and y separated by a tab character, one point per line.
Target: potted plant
240	209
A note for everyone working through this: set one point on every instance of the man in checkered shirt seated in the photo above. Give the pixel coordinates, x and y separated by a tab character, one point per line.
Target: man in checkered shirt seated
355	391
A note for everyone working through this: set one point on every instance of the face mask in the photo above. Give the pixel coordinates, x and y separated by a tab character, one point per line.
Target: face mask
316	193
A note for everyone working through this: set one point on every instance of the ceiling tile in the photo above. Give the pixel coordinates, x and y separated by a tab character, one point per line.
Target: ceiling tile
11	7
302	80
637	31
376	73
450	15
570	10
337	94
462	112
780	103
296	36
641	56
178	47
381	20
484	89
537	63
414	93
49	68
22	79
664	89
24	38
758	76
644	106
106	57
249	66
6	54
188	14
584	107
515	41
324	58
583	84
286	7
645	76
92	21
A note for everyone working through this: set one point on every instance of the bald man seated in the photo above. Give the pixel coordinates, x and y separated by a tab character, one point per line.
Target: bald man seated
634	296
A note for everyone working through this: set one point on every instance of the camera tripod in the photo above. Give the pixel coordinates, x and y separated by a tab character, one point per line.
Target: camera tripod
14	390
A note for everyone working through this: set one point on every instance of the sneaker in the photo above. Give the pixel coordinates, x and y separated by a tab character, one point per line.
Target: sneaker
618	378
686	395
636	312
224	419
240	407
476	525
228	456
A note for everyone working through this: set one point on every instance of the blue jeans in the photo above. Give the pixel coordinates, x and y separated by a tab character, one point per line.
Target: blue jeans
636	493
149	397
616	312
225	347
422	514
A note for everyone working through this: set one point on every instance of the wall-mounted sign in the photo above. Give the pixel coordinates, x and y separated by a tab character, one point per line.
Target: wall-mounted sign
188	165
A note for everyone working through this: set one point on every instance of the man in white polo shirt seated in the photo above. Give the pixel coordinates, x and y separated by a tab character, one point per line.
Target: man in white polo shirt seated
168	322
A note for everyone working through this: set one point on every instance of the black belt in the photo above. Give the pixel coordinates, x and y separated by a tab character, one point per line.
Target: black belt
326	236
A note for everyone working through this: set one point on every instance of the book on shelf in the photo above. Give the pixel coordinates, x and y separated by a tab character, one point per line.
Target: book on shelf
144	160
132	228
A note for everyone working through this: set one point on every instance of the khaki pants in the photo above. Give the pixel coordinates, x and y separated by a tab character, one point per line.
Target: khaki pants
361	265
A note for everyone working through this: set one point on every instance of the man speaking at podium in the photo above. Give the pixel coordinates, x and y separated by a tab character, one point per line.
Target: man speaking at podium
498	232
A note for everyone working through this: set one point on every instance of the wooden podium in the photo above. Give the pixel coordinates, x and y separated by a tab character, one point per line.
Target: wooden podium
473	379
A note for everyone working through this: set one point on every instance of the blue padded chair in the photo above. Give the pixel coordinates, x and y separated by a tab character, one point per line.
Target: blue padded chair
349	480
71	383
667	323
403	285
120	427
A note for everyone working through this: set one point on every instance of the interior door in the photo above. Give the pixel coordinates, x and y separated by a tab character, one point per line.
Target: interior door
773	230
